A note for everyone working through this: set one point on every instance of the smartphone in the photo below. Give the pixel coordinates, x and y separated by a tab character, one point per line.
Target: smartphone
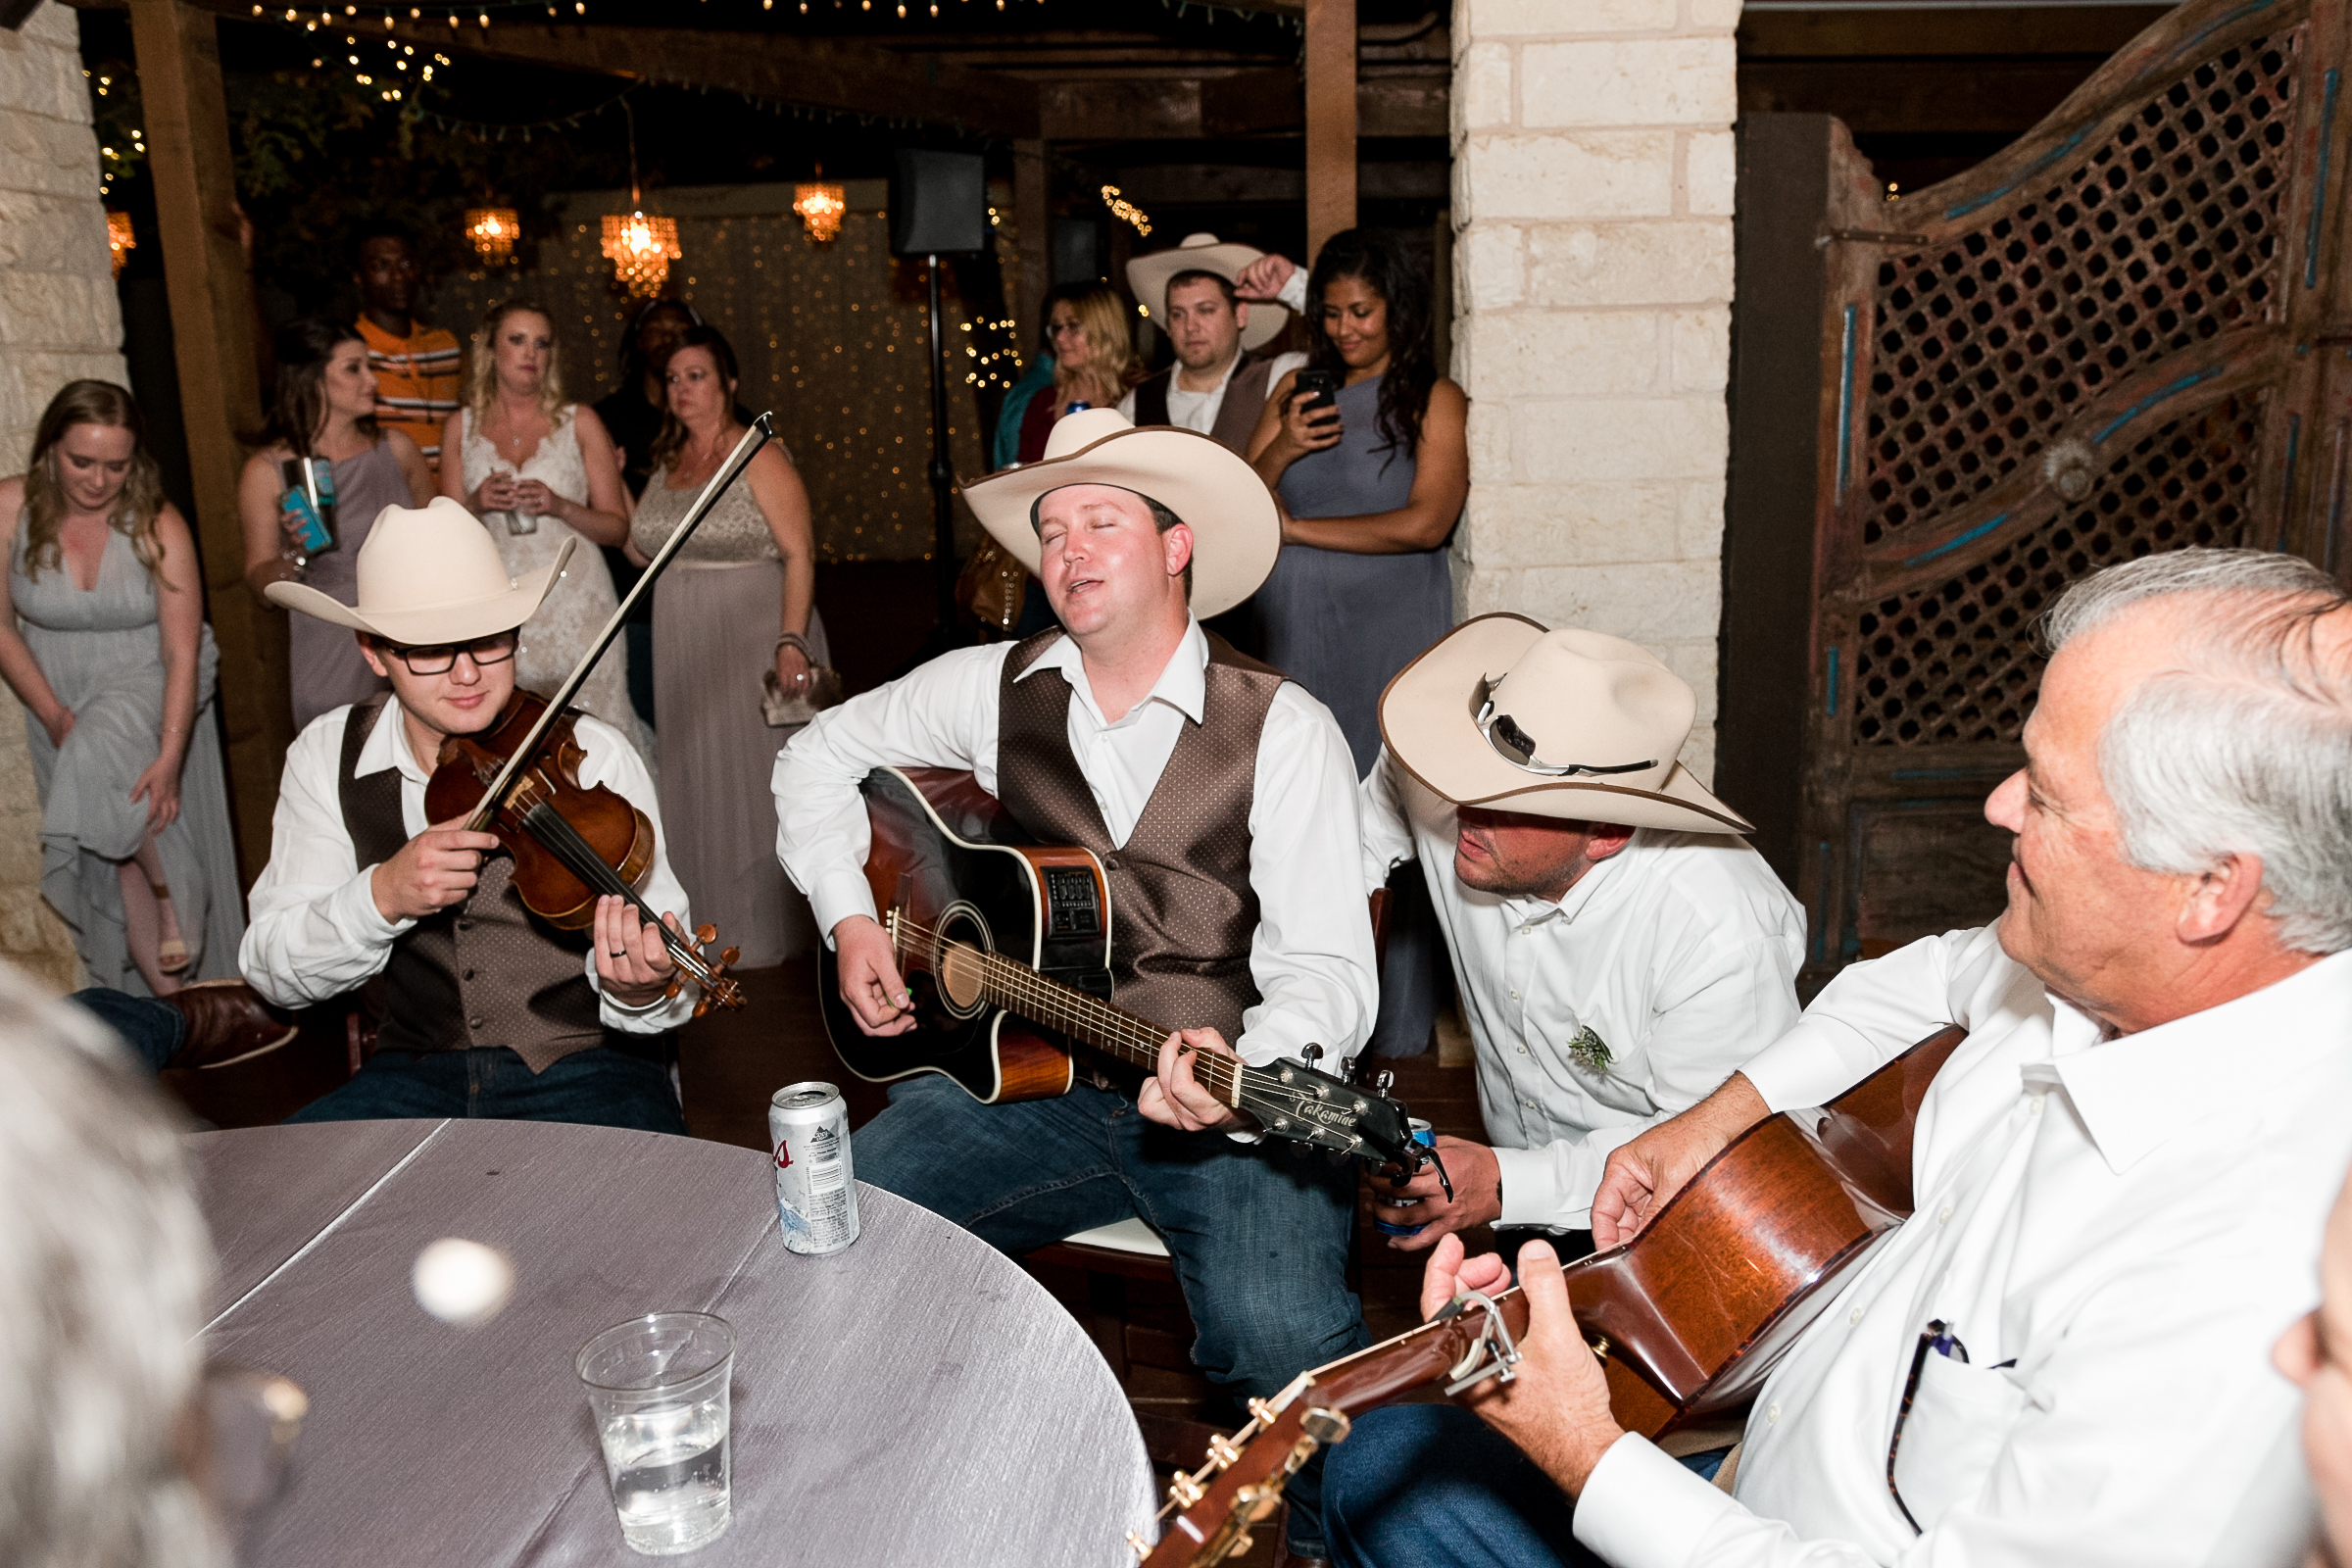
1323	387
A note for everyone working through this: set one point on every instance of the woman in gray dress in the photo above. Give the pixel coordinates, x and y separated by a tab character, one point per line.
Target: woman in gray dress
737	601
102	638
325	407
1369	491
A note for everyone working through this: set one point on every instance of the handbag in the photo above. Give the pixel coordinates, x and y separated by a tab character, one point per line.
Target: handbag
782	709
993	588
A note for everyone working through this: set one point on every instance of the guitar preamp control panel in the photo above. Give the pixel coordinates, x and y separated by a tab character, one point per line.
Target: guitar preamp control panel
1073	902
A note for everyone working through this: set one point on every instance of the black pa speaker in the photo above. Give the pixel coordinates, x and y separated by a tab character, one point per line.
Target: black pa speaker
938	204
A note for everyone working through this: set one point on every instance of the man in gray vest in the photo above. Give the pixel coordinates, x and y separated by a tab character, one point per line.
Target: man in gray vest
1220	800
489	1011
1215	386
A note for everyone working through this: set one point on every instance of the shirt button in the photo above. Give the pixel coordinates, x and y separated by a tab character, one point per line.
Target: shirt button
1523	1051
1514	996
2036	1105
473	1023
1529	1103
1771	1414
1527	930
470	974
1943	1215
1855	1316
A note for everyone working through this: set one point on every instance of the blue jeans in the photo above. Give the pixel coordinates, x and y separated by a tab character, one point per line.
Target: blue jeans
153	1030
1258	1236
600	1086
1417	1486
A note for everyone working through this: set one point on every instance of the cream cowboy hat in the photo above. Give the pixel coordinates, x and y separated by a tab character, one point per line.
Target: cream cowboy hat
1148	280
1237	533
1504	713
429	574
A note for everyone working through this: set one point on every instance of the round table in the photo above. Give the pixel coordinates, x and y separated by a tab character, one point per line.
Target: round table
914	1399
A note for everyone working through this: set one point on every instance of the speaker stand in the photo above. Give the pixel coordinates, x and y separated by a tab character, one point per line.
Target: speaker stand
943	479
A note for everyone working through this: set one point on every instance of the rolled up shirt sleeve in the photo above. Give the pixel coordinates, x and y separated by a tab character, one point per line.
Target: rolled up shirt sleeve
314	931
1311	955
1869	1016
942	714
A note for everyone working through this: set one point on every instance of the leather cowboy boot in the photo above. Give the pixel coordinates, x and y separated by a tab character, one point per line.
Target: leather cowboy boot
227	1022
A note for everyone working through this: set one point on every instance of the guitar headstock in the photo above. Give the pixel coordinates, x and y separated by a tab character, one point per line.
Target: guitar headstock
1215	1507
1294	1100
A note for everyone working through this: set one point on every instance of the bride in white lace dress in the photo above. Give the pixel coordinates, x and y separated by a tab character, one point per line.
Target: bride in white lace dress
537	471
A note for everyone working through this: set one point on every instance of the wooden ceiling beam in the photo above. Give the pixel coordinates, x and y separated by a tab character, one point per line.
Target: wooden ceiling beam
1256	103
834	74
1922	96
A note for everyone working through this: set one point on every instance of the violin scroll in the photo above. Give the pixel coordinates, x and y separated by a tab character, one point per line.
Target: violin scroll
710	973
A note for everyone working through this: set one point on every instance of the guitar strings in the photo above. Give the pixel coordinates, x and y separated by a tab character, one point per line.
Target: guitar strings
1063	1006
1057	1005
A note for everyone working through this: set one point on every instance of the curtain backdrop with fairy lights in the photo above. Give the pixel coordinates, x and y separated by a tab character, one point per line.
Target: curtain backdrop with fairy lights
832	337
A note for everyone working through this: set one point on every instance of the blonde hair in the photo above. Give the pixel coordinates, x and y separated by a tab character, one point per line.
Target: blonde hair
1109	337
481	365
136	510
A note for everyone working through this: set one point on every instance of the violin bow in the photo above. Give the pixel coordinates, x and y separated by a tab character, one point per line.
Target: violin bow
762	431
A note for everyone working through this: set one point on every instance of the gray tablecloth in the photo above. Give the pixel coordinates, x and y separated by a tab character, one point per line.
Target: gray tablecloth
916	1400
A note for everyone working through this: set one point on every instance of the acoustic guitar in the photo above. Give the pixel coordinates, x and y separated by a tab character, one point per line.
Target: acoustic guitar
1687	1318
1005	945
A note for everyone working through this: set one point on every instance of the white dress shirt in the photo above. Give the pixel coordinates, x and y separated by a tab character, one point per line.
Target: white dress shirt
1195	411
2116	1229
316	931
1678	953
1311	957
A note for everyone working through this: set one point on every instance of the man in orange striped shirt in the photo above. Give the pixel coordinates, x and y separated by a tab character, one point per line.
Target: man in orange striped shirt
415	366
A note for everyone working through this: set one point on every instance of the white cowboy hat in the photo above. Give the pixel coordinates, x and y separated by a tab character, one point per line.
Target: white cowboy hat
1576	725
429	574
1148	280
1237	533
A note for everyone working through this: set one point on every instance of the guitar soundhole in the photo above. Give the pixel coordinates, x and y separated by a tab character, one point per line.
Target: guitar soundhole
959	960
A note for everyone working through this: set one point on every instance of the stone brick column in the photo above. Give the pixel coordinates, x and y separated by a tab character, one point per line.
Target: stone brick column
1593	172
59	320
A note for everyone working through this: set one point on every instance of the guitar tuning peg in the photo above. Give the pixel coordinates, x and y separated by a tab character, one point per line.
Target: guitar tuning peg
1382	1080
1311	1055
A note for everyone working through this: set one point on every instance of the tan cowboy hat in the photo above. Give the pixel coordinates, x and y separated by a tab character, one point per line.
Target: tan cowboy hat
1148	280
1237	533
429	574
1504	713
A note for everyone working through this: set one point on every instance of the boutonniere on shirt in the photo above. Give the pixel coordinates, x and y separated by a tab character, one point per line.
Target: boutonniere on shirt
1592	1052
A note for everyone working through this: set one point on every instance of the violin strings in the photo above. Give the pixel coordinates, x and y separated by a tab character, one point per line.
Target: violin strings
553	829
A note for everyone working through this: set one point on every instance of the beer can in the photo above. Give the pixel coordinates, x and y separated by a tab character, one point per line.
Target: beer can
817	1195
1427	1139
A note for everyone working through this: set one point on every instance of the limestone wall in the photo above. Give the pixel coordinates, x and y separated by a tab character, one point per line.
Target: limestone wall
58	320
1592	279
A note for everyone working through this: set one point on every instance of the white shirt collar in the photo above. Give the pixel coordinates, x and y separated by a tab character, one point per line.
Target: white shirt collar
1573	903
1183	682
1177	388
2136	1092
387	746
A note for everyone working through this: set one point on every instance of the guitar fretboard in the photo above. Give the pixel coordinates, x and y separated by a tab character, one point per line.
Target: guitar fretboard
963	969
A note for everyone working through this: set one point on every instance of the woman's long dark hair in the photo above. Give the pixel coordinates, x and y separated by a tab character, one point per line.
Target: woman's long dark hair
672	438
303	346
1391	273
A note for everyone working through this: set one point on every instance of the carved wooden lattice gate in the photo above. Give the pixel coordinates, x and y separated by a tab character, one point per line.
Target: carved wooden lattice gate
2125	334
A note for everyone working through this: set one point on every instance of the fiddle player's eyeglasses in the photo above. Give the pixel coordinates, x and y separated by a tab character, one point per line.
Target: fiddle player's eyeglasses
441	657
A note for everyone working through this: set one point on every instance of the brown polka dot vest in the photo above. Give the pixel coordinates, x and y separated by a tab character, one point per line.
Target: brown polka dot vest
482	974
1182	910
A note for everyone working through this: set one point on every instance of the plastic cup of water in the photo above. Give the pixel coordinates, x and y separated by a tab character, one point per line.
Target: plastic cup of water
658	1387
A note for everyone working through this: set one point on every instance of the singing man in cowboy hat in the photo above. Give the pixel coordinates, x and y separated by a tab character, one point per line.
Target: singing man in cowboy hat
1619	947
1221	801
1216	386
488	1012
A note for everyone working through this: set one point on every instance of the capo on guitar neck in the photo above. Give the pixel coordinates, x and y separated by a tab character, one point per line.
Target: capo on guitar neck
1491	1354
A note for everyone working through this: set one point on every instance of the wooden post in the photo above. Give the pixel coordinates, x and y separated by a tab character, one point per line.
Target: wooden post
1033	222
220	388
1330	121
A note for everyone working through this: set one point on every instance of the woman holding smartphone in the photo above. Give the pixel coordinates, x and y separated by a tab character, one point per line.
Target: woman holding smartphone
1367	449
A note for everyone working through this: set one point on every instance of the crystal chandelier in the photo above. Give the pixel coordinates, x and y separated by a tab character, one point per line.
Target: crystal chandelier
120	239
639	247
821	207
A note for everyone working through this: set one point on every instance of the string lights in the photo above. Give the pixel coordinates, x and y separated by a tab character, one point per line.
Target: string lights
1125	211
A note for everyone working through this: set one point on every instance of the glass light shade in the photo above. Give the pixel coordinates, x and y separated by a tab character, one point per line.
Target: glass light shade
821	208
493	232
640	249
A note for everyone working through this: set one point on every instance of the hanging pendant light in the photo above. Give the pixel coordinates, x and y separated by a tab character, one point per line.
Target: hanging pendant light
639	246
120	239
493	232
821	208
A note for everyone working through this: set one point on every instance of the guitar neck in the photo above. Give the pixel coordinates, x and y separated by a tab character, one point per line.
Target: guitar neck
1090	1020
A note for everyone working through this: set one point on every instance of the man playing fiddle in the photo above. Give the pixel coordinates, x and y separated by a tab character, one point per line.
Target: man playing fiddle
488	1012
2061	1357
1220	800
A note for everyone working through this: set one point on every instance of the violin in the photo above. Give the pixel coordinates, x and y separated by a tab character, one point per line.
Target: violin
572	843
